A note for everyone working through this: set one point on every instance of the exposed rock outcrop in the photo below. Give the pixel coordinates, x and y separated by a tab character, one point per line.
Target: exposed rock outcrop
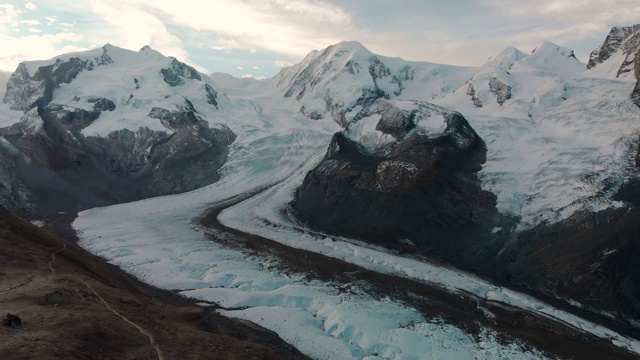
175	74
413	178
620	39
500	89
471	91
635	94
636	65
126	165
591	257
12	320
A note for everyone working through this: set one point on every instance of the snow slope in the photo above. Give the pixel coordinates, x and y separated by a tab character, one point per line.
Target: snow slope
561	143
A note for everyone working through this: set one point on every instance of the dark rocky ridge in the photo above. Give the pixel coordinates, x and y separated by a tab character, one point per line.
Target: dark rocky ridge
635	94
424	189
124	166
175	74
625	39
500	89
593	258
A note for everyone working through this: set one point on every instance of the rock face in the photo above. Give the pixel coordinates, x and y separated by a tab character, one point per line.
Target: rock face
96	147
591	257
11	320
401	171
625	40
501	90
635	94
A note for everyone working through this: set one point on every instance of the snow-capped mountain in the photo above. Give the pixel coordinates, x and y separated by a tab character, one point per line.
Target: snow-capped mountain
109	125
343	78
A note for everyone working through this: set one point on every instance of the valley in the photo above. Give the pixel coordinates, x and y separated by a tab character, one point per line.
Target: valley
359	206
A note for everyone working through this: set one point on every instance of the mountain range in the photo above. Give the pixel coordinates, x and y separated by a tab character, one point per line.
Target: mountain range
523	170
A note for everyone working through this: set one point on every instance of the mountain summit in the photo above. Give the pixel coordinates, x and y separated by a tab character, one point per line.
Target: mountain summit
344	77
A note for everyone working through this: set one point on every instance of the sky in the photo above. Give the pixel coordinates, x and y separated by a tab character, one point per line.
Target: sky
258	37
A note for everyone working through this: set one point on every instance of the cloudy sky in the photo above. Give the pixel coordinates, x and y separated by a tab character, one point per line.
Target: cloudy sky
258	37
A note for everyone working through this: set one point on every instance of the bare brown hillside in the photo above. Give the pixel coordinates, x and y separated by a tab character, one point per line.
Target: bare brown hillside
75	306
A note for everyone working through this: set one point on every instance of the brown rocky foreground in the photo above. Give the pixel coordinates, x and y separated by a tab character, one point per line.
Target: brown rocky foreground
73	305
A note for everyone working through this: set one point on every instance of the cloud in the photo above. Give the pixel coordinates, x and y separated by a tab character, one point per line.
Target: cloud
282	63
251	76
34	30
239	68
30	6
563	20
30	22
256	68
291	27
51	20
35	47
135	26
7	13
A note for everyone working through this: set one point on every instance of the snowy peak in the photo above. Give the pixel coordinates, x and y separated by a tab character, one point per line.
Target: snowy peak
550	56
505	59
347	47
343	78
518	84
134	82
548	49
619	53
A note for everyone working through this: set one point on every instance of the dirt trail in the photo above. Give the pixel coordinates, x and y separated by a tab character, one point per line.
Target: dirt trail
53	258
13	287
152	340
